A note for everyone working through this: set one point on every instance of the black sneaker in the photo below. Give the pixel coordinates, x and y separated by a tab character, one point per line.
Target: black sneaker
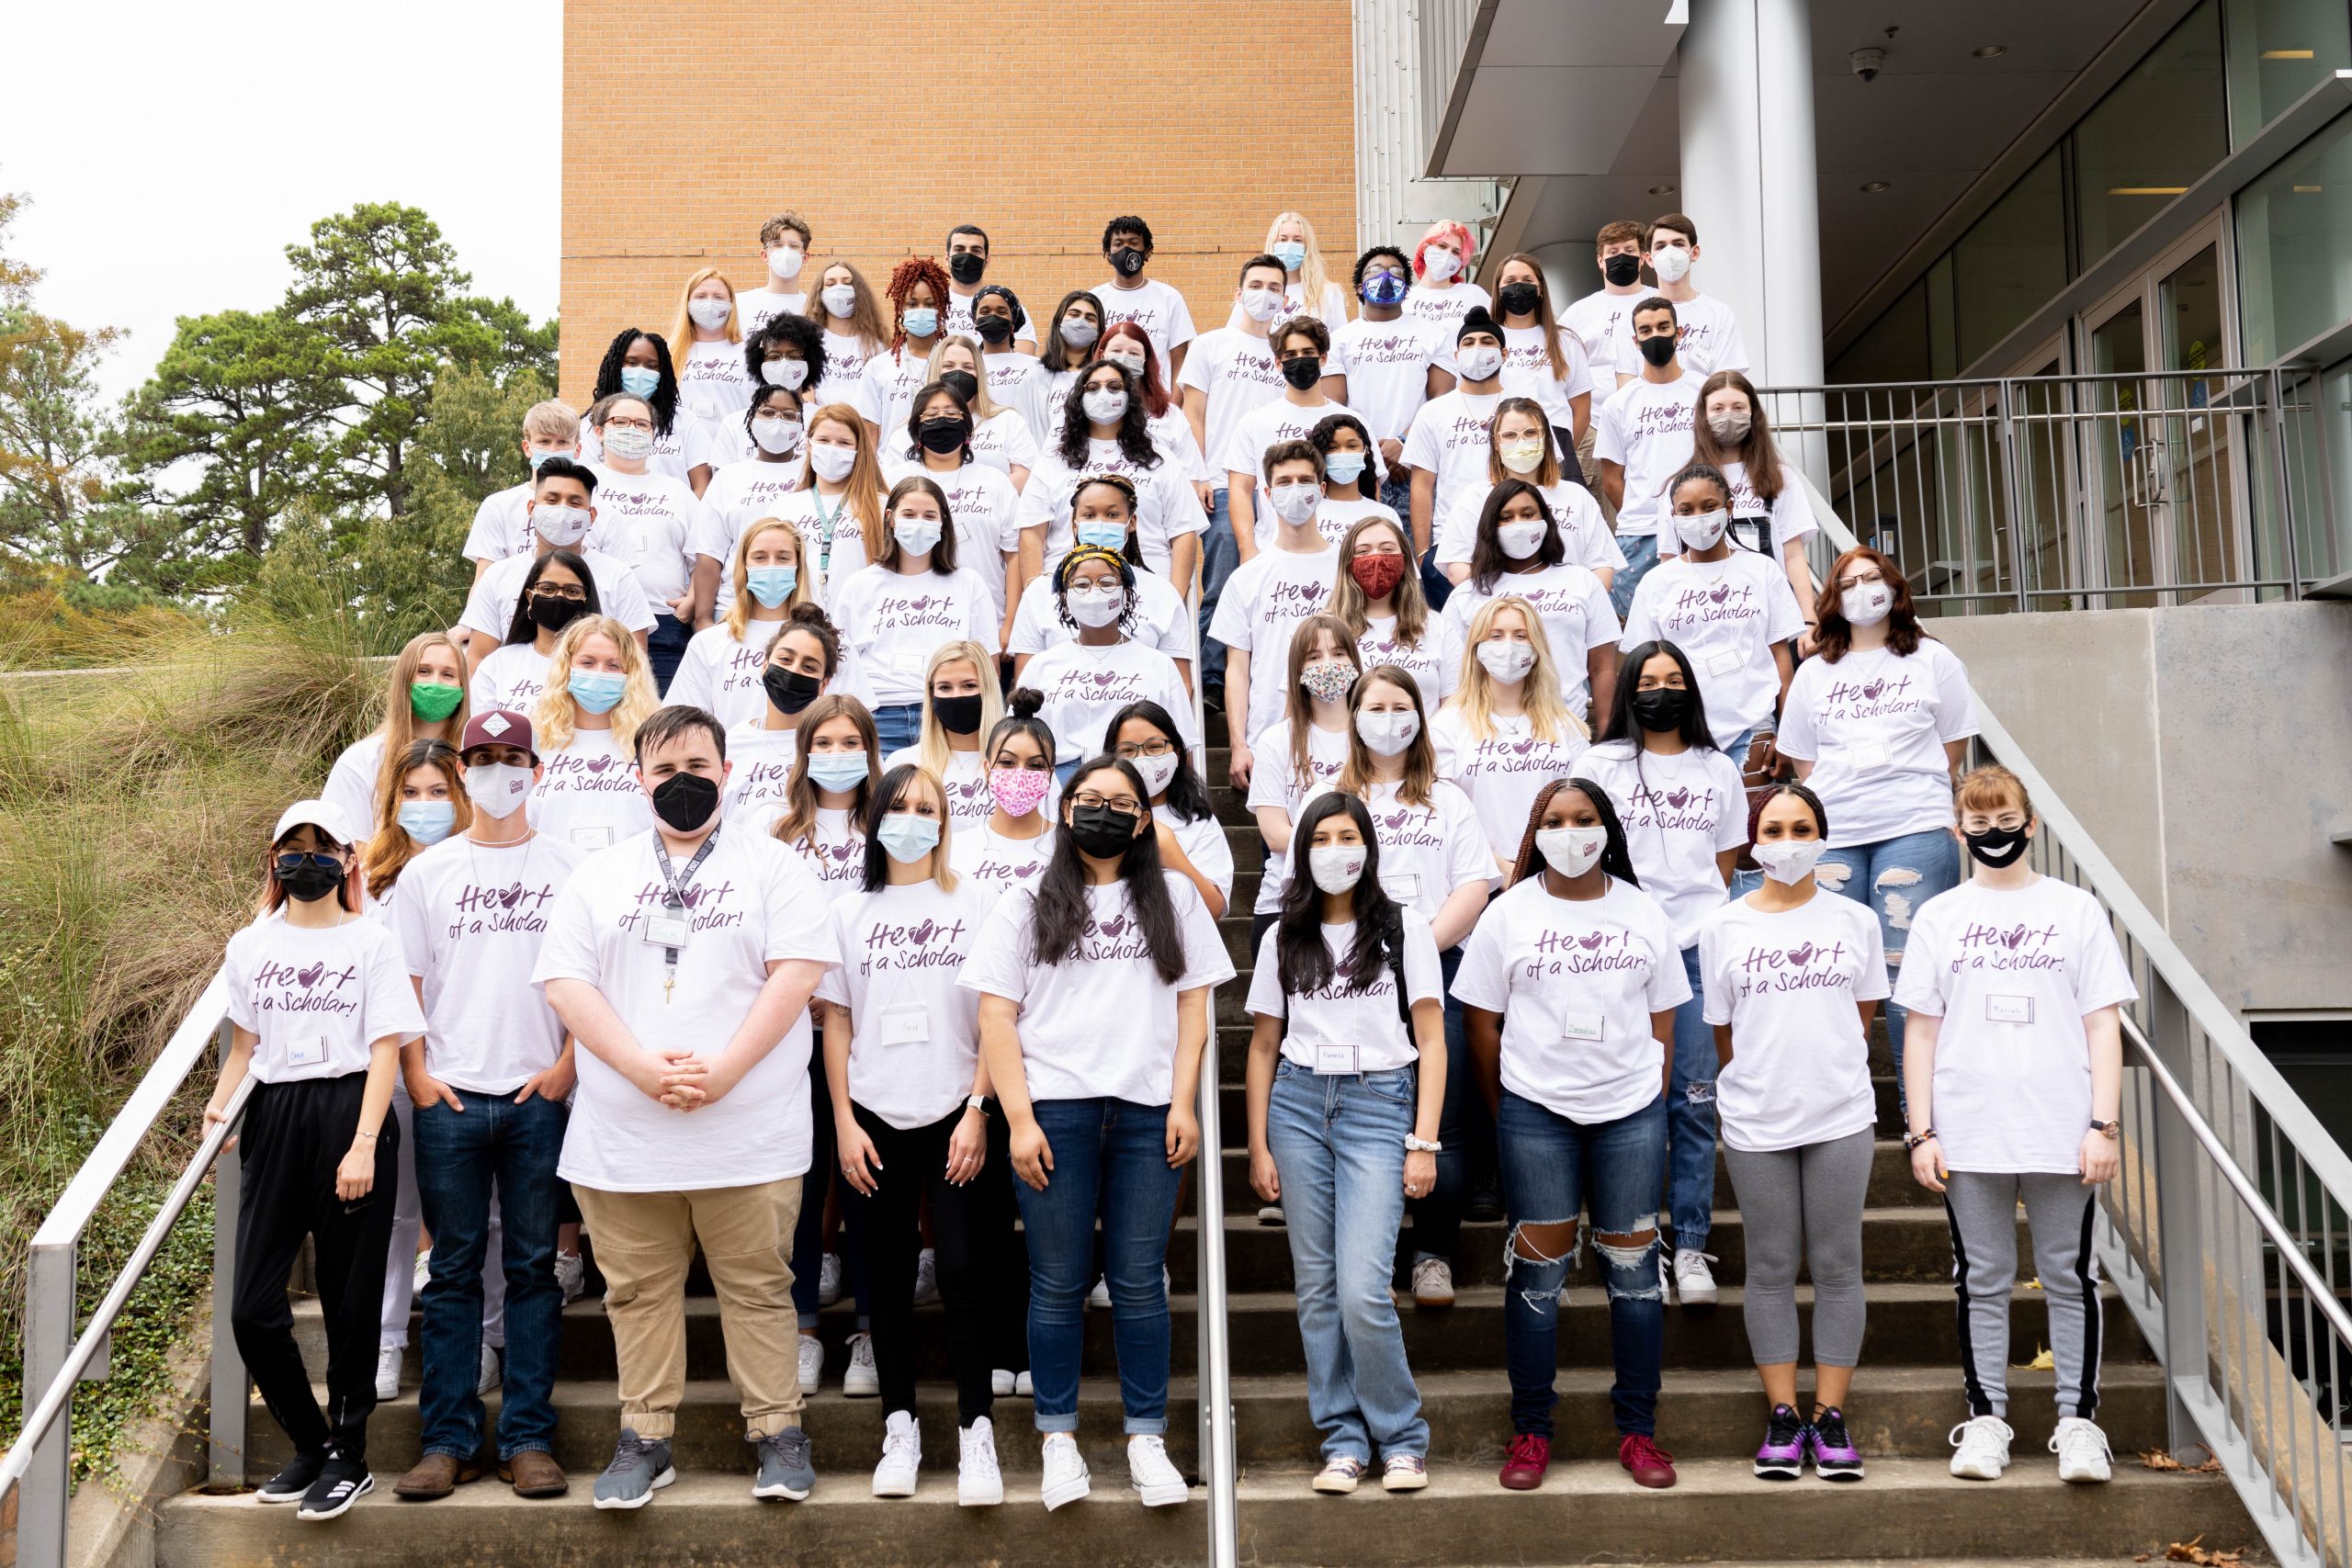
288	1485
1486	1204
342	1482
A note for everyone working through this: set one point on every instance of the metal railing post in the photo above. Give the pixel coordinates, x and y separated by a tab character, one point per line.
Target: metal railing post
2011	490
225	1446
2180	1230
1216	1391
48	1341
2285	490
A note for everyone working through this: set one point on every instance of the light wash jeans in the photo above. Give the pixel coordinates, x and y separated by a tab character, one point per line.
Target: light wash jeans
1894	877
1640	554
1339	1143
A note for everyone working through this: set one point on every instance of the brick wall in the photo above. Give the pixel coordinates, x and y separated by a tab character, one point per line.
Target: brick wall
1206	116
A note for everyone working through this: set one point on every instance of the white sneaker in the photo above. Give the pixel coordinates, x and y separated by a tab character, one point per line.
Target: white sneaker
1665	1277
1270	1215
1000	1383
978	1482
387	1371
1983	1442
1432	1282
1022	1387
1153	1474
493	1373
828	1279
1100	1296
926	1277
812	1363
423	1271
859	1380
1694	1282
1065	1480
2082	1450
571	1274
901	1456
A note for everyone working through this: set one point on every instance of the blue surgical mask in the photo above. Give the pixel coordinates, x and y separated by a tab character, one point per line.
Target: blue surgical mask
1102	534
596	692
541	454
1343	468
837	771
771	585
428	821
920	320
906	836
1290	253
1384	288
639	382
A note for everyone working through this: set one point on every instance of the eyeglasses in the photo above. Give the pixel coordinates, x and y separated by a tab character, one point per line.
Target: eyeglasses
571	591
2006	822
1873	577
1118	806
628	423
292	861
1156	747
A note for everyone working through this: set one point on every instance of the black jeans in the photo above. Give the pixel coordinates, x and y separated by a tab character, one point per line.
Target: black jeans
294	1137
914	1167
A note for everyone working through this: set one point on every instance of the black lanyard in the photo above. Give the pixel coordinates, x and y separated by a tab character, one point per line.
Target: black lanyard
673	895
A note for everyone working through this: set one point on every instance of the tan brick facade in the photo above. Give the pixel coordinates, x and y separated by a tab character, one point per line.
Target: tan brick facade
1206	116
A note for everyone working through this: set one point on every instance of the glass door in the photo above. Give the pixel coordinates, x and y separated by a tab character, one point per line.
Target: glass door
2127	490
2203	457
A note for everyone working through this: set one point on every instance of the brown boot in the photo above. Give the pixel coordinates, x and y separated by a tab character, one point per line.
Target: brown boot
534	1474
437	1475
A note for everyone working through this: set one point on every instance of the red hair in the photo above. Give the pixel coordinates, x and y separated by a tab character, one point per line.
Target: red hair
904	279
1155	390
1835	636
1447	229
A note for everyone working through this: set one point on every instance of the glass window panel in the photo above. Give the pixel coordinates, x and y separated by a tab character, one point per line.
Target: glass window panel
2278	51
2011	260
2294	229
2150	137
1893	348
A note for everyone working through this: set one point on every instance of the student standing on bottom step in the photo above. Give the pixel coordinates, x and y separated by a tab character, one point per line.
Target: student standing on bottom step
2014	1064
319	1003
1347	1074
1094	991
682	959
1792	976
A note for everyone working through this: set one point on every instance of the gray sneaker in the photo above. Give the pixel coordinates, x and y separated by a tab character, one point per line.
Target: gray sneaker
640	1467
786	1470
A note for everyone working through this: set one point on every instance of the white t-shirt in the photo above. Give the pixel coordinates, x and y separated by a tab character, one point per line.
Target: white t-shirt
1152	305
915	1033
1788	984
1527	363
588	794
1334	518
1574	514
1264	601
1790	513
1101	1024
966	787
502	526
512	677
993	863
1594	320
1503	774
750	905
833	852
1725	616
1002	440
1441	311
1204	844
1084	686
985	513
720	675
1387	368
740	495
891	621
885	388
351	783
845	357
1360	1026
315	1000
1163	620
1235	372
1678	812
755	308
1255	433
1168	504
1434	663
713	383
1575	609
1646	429
1449	439
1874	724
956	316
490	608
1576	981
760	761
1427	852
470	918
1709	339
1274	783
653	522
675	450
2012	975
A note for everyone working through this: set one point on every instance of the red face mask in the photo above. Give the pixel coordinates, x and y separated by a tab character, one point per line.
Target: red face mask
1377	575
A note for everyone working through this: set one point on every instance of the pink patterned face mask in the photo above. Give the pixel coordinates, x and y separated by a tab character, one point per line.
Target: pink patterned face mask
1018	791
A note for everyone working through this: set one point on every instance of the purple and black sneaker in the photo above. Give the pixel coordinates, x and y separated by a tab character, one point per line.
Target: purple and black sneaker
1835	1458
1783	1456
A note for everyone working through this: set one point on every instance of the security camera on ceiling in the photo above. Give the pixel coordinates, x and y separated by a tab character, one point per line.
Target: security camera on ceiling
1866	63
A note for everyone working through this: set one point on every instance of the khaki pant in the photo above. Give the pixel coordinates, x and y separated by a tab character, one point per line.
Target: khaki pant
645	1242
1584	454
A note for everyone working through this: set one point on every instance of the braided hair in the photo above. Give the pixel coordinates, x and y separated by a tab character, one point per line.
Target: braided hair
664	401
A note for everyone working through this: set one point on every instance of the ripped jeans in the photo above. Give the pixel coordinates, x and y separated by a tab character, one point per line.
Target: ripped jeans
1554	1170
1894	877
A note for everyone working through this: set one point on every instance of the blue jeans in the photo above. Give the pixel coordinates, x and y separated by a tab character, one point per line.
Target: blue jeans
664	646
898	725
1219	555
1894	877
1339	1143
1640	554
461	1156
1691	1119
1552	1169
1111	1157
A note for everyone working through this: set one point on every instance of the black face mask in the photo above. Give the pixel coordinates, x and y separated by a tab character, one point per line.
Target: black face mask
1661	709
1519	298
1302	370
963	383
1657	350
1101	832
958	715
685	801
789	690
993	329
553	612
1996	847
943	435
1128	261
309	883
965	267
1622	271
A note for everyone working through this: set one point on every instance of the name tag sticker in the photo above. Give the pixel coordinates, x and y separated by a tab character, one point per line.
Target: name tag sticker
1401	885
911	662
903	1026
306	1052
1725	663
593	838
666	929
1999	1009
1336	1059
1581	1026
1867	754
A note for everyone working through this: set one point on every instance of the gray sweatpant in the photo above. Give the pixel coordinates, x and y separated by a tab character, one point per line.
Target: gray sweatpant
2059	1212
1808	1200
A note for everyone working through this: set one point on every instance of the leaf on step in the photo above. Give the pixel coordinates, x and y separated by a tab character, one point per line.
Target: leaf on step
2034	1283
2191	1551
2042	1361
2158	1458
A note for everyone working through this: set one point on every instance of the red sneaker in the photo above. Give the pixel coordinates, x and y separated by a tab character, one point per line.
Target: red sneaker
1525	1465
1648	1465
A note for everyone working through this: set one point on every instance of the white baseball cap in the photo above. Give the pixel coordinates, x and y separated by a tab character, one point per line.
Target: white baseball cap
316	814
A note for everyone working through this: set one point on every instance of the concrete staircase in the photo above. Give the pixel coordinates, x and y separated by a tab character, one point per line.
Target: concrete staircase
1907	1397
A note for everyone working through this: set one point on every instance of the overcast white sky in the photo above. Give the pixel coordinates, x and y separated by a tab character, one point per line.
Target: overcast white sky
173	151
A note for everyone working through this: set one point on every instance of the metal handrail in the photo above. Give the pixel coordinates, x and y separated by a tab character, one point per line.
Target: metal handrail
1215	1373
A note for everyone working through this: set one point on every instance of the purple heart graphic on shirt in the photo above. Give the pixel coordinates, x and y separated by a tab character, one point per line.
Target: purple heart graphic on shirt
1105	677
922	933
598	764
1590	943
1870	691
1400	819
1524	746
2014	938
1798	955
310	977
509	898
691	897
924	603
1721	591
1112	927
1679	799
844	850
1029	870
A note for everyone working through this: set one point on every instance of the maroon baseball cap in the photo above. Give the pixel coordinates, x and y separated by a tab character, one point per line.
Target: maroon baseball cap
498	726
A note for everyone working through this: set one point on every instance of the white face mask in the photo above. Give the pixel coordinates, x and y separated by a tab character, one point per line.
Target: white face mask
1335	868
1571	851
710	313
1439	265
1156	771
1480	364
916	536
1388	734
1789	861
1261	305
1294	500
498	789
1672	262
1105	405
628	442
776	436
786	373
785	261
1095	606
1520	456
1507	661
1700	532
1866	603
1134	362
840	299
1521	540
832	463
562	526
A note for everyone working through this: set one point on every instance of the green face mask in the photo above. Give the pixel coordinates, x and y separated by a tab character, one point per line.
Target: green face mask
433	702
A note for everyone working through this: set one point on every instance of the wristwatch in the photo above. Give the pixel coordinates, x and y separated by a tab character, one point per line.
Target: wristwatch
2112	1129
978	1103
1422	1145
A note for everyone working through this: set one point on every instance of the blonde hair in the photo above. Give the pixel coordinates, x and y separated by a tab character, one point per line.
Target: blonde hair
681	330
553	717
864	489
982	405
1989	787
1351	605
1548	473
1547	714
1314	282
941	871
738	614
398	726
931	741
1418	785
553	420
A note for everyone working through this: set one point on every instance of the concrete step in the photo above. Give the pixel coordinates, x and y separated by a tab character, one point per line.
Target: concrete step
1909	1510
1896	1412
